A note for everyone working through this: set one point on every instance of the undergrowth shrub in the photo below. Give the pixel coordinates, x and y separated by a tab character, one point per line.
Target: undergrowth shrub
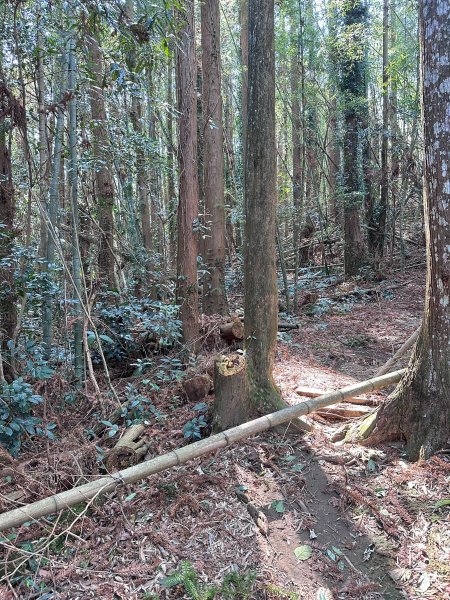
17	402
135	327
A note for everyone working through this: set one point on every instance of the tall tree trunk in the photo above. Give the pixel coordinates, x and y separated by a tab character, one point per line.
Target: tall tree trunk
171	191
353	88
214	296
104	184
297	173
8	311
261	297
377	225
53	206
419	409
243	17
43	142
187	285
78	357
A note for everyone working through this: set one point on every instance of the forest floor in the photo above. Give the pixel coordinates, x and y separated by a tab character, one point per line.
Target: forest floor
343	521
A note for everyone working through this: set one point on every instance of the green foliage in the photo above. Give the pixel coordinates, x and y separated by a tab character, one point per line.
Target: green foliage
17	402
193	428
235	586
127	328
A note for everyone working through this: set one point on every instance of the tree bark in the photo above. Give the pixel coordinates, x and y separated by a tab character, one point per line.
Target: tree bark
214	295
8	311
187	286
260	277
104	184
419	409
231	391
353	88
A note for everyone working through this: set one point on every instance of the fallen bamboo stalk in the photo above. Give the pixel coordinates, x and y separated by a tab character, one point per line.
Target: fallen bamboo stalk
400	352
87	491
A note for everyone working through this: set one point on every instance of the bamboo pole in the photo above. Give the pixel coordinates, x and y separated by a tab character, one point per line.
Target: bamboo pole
87	491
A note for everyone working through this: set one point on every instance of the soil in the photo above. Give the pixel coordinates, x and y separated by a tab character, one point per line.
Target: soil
369	524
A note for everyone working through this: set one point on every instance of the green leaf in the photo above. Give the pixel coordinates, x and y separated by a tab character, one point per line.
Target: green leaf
297	467
303	552
278	505
106	339
371	465
130	497
443	502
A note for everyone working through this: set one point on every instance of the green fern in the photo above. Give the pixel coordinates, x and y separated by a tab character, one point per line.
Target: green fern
187	577
237	586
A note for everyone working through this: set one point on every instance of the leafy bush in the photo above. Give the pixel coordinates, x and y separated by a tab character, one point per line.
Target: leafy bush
129	327
17	401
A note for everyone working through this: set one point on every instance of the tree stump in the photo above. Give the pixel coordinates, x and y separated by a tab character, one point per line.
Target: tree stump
233	331
197	387
231	391
128	450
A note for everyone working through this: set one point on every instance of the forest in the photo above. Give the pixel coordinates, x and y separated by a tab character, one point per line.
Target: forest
224	299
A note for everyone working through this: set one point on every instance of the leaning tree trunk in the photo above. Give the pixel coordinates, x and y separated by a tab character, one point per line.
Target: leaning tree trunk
261	297
104	185
419	409
187	286
214	296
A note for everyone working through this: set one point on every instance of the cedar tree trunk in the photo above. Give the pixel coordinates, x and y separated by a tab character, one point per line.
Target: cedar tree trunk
261	297
419	409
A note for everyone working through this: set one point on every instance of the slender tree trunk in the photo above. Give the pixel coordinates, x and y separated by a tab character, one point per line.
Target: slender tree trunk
73	178
333	160
8	311
419	409
187	285
214	296
377	227
261	297
104	184
43	142
171	191
53	206
297	173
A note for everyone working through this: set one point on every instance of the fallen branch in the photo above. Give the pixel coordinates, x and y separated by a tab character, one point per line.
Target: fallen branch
400	352
82	493
307	392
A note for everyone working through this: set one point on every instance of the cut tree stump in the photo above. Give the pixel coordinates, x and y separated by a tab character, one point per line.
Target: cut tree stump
128	451
308	392
197	387
233	331
231	391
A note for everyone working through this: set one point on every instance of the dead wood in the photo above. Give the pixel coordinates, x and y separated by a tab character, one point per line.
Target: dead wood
103	485
400	352
366	291
232	331
128	451
308	392
197	387
343	411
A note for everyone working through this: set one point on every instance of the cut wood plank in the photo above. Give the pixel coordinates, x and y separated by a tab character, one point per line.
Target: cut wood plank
344	411
308	392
